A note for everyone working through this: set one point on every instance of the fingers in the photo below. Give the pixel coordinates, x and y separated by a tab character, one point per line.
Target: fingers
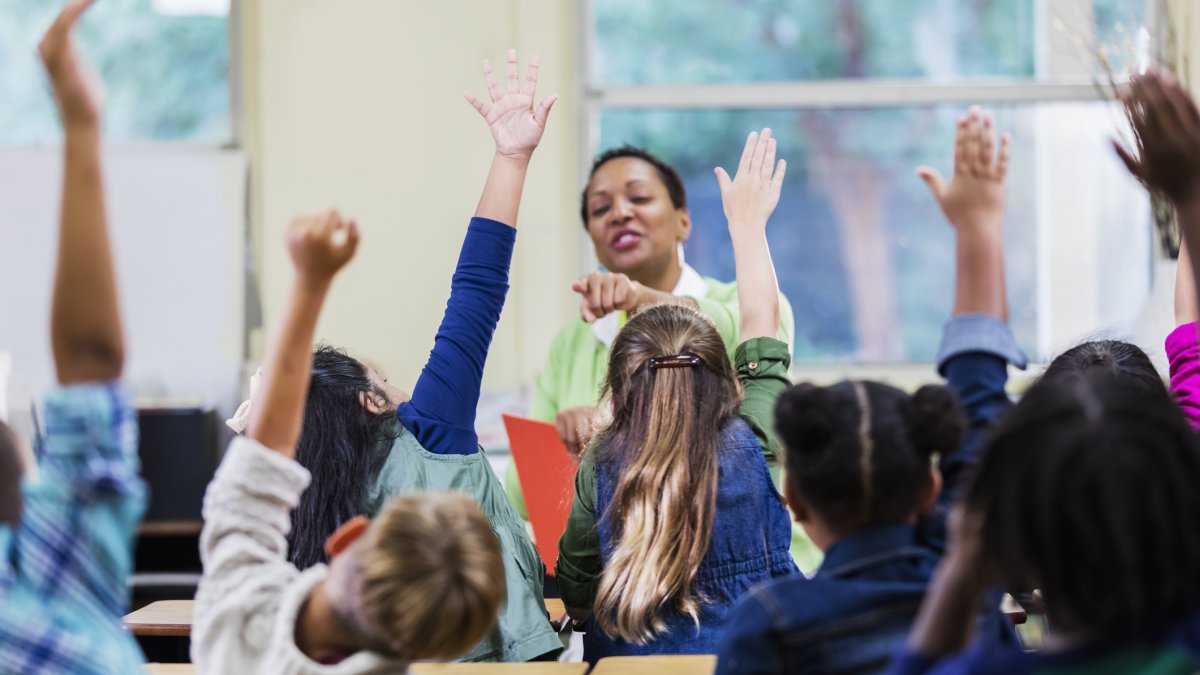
937	184
1184	106
1131	163
960	146
583	432
489	78
769	159
1002	158
760	151
513	85
972	142
531	78
987	143
748	152
608	292
542	112
480	107
780	172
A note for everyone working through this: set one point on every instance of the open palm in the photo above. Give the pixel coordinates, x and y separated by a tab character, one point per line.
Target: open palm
515	123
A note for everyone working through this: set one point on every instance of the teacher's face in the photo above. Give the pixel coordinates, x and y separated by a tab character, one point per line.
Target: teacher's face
635	228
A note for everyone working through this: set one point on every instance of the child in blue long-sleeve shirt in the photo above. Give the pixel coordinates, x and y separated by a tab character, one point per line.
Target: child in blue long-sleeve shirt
66	546
365	442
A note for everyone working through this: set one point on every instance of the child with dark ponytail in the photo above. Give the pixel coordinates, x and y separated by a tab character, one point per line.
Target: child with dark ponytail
860	460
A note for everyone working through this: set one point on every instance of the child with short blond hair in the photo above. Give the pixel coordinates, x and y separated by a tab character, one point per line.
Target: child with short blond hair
423	580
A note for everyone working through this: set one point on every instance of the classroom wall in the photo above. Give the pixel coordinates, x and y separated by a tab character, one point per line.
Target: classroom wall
358	104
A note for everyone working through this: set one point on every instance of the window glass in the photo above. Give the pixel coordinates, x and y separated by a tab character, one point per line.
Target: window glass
862	250
710	41
165	65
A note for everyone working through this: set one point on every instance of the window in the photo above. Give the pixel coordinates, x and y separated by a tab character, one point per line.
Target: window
165	65
859	93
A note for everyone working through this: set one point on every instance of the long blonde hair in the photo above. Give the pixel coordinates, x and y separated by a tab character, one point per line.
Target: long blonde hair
432	575
664	434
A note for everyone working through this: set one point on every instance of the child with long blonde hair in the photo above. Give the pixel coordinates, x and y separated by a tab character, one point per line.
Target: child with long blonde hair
675	514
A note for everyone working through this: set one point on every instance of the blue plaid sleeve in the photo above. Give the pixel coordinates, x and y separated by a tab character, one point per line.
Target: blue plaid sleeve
64	568
81	514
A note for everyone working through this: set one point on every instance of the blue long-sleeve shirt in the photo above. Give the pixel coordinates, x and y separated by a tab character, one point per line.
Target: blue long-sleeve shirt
441	413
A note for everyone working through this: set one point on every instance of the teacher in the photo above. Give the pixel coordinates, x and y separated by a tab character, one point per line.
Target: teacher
634	208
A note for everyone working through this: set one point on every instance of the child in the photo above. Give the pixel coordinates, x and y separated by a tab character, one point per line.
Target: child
67	550
419	582
1087	491
366	442
675	514
860	475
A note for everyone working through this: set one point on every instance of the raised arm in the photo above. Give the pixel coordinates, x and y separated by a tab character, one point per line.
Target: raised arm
441	413
319	246
973	202
749	199
516	126
85	323
1166	128
977	344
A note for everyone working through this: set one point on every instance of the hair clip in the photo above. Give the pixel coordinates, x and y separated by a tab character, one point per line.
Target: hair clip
676	361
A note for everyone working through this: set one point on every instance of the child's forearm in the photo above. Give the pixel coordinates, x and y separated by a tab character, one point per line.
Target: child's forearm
943	625
502	191
979	277
758	289
85	323
280	403
1186	280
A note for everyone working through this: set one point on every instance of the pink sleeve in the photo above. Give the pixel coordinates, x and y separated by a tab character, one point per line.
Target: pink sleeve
1184	357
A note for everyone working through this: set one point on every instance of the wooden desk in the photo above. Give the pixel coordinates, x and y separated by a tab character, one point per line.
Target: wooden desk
165	618
170	668
173	618
656	665
551	668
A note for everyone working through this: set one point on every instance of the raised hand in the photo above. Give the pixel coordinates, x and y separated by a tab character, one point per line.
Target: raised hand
77	90
515	123
320	245
751	197
1166	129
606	292
974	197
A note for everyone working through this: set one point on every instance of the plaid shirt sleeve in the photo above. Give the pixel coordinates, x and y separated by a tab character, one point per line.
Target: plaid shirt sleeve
73	549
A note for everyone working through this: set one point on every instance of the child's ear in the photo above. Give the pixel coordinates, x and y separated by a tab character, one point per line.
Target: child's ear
346	534
373	403
932	492
792	498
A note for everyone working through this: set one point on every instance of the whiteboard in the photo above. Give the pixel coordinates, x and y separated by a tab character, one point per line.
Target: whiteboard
178	225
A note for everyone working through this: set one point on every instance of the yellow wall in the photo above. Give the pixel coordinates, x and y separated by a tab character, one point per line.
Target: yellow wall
357	104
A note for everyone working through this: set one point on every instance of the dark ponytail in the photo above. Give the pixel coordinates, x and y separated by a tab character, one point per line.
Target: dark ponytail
342	444
859	453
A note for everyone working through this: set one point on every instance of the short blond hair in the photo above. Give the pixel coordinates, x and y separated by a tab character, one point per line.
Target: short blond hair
432	575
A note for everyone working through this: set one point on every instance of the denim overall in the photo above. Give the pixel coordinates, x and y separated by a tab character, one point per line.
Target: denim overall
750	543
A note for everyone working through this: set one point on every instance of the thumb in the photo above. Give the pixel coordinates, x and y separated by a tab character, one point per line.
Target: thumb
937	185
723	180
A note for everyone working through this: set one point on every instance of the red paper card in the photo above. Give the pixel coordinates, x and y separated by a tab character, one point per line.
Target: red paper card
547	472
